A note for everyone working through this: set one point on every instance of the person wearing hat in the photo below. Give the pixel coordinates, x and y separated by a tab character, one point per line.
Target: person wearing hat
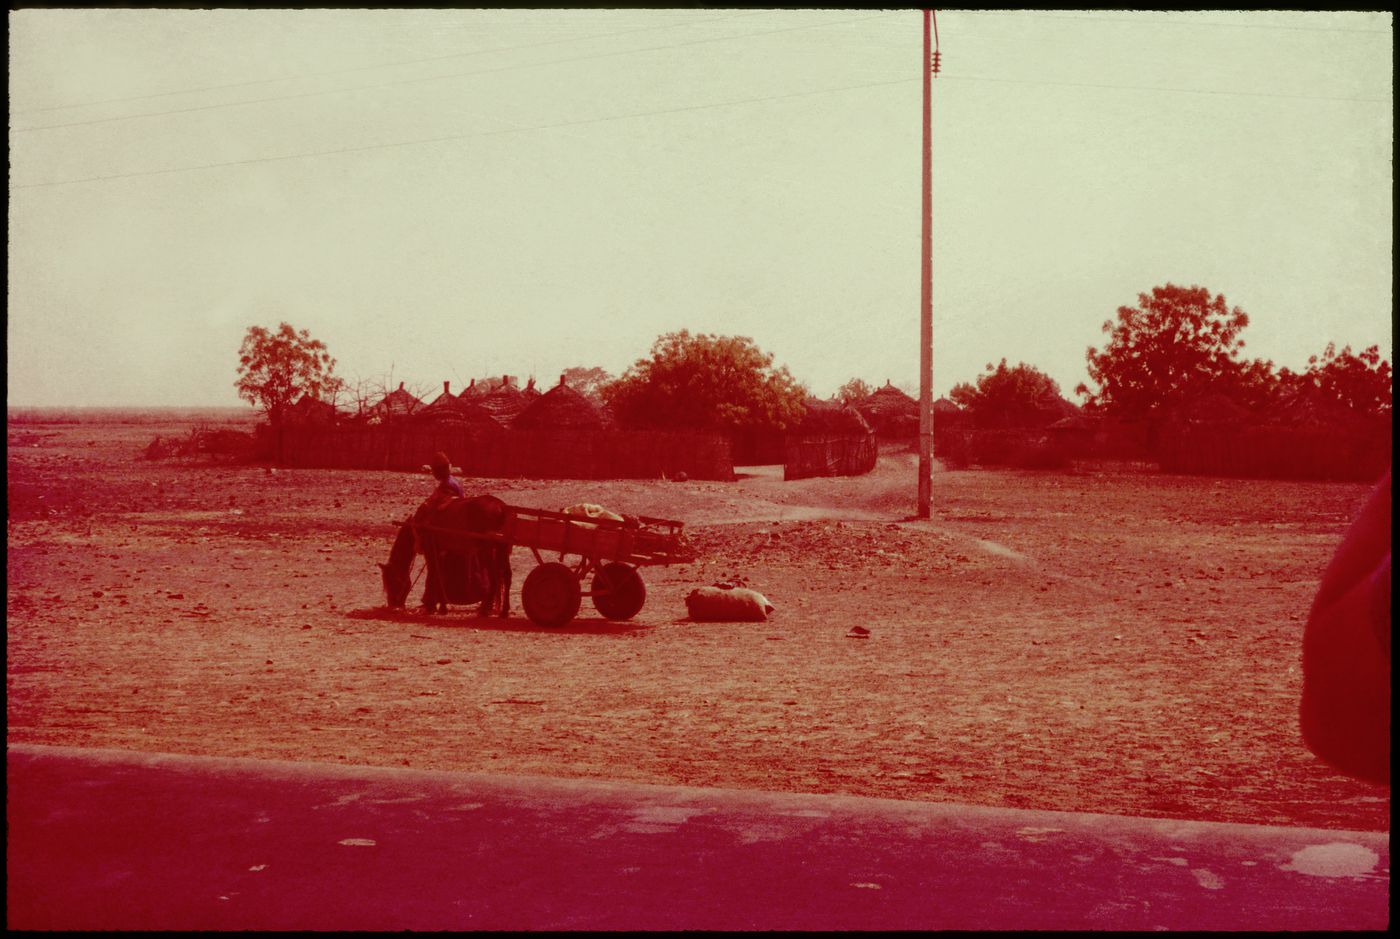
447	487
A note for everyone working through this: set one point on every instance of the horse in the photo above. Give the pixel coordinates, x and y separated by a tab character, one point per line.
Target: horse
460	569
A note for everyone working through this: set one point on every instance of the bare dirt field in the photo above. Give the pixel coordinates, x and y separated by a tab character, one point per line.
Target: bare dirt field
1106	640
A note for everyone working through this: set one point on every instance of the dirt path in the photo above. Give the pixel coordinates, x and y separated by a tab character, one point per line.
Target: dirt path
1112	642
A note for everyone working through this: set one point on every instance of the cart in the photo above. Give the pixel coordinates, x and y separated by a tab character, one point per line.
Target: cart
611	551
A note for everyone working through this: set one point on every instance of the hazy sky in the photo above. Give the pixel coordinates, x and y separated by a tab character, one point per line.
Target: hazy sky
439	194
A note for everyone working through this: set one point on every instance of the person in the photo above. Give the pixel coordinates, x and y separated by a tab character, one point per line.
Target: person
447	487
434	597
1345	707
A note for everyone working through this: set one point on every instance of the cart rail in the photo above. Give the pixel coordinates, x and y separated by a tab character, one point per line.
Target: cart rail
647	541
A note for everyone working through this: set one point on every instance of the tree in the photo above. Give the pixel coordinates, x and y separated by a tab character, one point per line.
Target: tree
1255	386
1360	382
723	383
1019	396
1178	342
854	390
276	368
587	381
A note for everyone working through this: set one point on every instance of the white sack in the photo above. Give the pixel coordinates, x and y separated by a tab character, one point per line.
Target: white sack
727	605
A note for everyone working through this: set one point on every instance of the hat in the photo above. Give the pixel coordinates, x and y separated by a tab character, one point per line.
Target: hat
438	461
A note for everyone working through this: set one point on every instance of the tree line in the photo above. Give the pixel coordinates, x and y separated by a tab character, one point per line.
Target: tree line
1176	346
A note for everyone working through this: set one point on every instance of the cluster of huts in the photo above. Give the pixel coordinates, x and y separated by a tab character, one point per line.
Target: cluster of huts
1305	436
1302	436
486	405
498	429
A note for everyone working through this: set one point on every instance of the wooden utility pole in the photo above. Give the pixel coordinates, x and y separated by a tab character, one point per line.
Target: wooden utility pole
926	291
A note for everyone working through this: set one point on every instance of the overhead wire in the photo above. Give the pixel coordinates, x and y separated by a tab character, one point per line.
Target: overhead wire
429	78
468	136
656	113
1189	91
366	68
516	128
1019	15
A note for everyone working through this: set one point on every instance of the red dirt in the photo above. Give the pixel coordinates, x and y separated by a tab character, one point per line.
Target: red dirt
1119	641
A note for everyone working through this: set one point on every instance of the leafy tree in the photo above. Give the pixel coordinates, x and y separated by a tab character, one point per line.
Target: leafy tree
854	390
723	383
1178	342
277	368
1360	382
1019	396
1256	386
587	381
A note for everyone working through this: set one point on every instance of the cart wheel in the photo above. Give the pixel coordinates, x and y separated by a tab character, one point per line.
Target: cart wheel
618	591
550	595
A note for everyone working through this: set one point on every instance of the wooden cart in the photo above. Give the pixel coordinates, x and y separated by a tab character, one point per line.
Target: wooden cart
610	551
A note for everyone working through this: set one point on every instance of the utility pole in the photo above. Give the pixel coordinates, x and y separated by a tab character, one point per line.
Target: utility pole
929	66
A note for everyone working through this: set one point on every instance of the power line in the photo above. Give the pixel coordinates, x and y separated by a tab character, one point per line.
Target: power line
451	137
1185	91
365	68
698	107
409	81
1178	22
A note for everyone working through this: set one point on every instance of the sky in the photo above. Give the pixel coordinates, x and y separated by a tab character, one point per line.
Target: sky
446	194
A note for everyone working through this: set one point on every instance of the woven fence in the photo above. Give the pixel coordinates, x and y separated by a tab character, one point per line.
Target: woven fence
504	454
838	455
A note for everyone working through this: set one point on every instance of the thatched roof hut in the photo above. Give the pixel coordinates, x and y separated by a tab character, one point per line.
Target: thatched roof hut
560	408
457	410
396	404
890	411
831	418
442	402
309	410
474	389
504	401
948	413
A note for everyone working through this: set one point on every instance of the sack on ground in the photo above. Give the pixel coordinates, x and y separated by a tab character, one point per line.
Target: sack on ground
727	605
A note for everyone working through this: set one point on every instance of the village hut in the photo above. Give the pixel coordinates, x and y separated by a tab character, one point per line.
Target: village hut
395	405
443	402
830	418
505	401
948	413
891	412
309	410
560	408
474	389
831	439
447	408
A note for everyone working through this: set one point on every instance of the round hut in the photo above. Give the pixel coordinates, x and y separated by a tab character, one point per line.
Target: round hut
458	411
474	390
395	405
832	439
309	410
891	412
559	408
505	401
830	419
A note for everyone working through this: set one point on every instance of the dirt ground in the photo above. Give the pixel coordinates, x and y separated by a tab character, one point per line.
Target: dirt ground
1106	640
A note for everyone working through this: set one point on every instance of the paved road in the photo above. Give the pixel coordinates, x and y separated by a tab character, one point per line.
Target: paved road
102	839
